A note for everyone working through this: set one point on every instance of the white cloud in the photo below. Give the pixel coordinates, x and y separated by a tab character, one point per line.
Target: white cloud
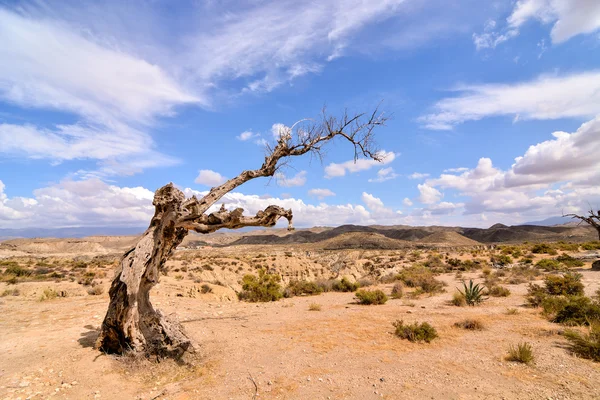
417	175
297	180
569	18
555	176
460	169
78	203
246	135
429	194
362	164
407	202
48	65
385	174
548	97
320	193
209	178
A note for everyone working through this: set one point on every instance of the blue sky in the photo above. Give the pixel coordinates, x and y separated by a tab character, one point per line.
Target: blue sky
494	107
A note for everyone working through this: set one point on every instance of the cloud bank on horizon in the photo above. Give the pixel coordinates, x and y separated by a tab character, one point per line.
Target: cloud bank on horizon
496	108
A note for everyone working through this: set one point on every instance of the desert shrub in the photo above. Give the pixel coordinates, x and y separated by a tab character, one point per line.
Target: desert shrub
10	292
397	291
344	286
549	265
87	279
469	324
326	285
535	295
297	288
434	262
204	289
364	282
468	265
48	294
458	299
553	304
261	288
369	297
415	332
578	310
569	262
512	311
421	277
473	293
499	291
566	285
566	246
543	248
95	290
314	307
596	295
591	245
501	259
522	352
586	345
16	270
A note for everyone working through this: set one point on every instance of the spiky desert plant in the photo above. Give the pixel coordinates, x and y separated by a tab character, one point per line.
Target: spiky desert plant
522	352
473	293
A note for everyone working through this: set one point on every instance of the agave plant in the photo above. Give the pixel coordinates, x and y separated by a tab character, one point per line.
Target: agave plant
473	293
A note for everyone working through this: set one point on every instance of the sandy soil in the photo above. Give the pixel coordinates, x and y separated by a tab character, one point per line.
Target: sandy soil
344	351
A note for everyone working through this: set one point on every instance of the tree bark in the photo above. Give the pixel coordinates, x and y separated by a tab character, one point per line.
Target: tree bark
131	323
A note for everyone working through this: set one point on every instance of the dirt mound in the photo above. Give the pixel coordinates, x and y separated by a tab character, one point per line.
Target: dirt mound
362	240
449	239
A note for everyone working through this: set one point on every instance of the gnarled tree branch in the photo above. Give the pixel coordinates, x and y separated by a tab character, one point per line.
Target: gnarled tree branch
592	219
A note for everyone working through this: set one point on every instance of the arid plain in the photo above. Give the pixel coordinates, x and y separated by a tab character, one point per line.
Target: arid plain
323	346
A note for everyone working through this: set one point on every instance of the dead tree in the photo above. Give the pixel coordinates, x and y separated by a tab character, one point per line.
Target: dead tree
131	322
593	219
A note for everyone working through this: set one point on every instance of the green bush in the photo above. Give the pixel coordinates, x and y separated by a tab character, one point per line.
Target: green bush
543	248
548	264
344	286
421	277
368	297
523	353
578	310
263	288
568	284
499	291
416	332
535	295
586	345
553	304
297	288
501	259
473	293
569	262
17	270
591	245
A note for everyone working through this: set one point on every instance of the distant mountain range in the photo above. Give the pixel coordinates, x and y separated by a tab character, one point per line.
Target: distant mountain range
76	232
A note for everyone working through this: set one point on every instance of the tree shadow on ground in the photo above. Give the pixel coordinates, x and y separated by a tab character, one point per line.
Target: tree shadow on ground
88	339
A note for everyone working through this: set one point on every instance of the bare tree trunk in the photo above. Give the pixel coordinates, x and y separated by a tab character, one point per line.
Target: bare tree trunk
131	323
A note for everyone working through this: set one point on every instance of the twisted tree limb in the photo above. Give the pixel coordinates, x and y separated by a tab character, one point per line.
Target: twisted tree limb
131	322
592	219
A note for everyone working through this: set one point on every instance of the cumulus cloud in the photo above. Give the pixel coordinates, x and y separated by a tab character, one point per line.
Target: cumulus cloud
362	164
428	194
555	176
297	180
407	202
246	135
320	193
209	178
385	174
547	97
